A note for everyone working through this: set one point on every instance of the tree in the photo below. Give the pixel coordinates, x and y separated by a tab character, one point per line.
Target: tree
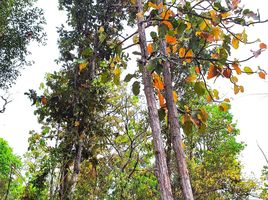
197	35
190	43
9	164
20	23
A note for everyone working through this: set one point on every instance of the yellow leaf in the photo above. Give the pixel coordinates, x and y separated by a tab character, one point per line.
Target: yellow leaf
82	66
139	15
203	25
236	89
189	25
216	32
76	123
168	50
175	96
182	52
216	94
248	70
191	78
235	43
171	39
225	15
133	2
117	71
101	29
152	5
135	39
234	79
241	88
230	128
224	106
227	100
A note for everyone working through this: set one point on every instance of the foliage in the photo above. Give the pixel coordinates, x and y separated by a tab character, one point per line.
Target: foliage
9	164
20	23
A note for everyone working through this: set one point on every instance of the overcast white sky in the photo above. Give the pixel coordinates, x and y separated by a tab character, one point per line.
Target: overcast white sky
250	109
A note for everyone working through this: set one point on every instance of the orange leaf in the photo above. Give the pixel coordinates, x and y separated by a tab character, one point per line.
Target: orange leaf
263	46
227	73
209	99
152	5
168	24
158	83
212	72
150	48
44	100
198	70
171	39
189	55
191	78
237	68
262	75
161	99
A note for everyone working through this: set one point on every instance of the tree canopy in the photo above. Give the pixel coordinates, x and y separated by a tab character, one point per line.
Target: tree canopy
177	140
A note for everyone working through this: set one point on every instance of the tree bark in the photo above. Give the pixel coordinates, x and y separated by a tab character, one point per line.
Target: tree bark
160	156
174	127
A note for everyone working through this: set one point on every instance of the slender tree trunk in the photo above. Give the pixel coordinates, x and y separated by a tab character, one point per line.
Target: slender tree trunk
160	156
9	182
174	127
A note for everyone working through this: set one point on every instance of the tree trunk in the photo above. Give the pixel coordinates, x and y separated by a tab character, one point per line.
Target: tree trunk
160	156
174	127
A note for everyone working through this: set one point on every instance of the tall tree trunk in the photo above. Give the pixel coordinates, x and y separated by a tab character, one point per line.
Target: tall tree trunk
174	127
160	156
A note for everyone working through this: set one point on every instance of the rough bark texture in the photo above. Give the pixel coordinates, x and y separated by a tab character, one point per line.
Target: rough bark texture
160	156
174	127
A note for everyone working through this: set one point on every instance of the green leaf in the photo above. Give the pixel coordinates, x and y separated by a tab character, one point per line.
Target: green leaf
136	88
161	114
199	88
87	52
137	53
129	77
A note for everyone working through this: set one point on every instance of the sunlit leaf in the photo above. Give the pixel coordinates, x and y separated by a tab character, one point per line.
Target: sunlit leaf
235	43
175	96
263	46
150	48
182	52
171	39
191	78
161	99
248	70
212	72
236	68
82	66
168	24
189	55
262	75
224	106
